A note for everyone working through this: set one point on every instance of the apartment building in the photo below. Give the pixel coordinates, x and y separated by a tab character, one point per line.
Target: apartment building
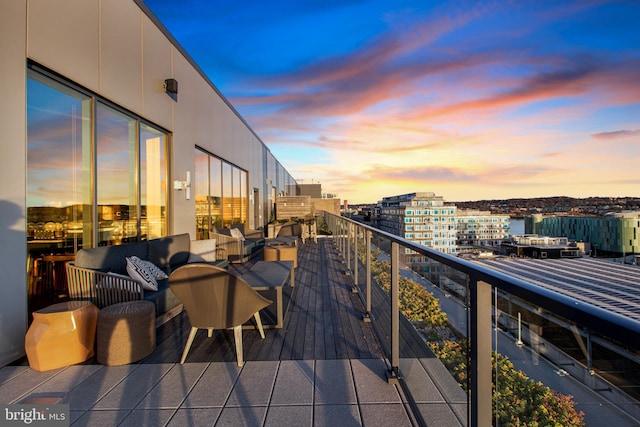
480	228
423	218
613	234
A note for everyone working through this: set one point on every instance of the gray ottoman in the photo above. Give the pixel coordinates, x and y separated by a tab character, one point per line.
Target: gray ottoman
126	332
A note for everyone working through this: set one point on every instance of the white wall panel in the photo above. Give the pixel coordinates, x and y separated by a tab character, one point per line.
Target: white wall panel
13	240
203	113
121	53
156	68
183	159
63	35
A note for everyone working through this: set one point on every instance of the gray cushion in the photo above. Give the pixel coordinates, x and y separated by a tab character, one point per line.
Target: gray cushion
170	252
163	298
110	258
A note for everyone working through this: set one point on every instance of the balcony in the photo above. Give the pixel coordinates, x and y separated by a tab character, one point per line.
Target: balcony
347	356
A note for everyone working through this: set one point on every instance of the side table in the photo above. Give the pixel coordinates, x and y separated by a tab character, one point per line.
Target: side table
61	334
126	332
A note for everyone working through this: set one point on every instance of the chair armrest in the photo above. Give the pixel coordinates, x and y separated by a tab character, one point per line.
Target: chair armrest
100	288
231	246
253	234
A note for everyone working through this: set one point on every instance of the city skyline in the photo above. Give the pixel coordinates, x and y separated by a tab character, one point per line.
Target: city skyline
470	101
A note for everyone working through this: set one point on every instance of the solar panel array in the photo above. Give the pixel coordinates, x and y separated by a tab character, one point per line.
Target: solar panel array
608	285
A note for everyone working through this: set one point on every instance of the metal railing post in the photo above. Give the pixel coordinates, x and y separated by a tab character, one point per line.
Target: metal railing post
356	262
342	239
366	317
349	232
394	373
480	349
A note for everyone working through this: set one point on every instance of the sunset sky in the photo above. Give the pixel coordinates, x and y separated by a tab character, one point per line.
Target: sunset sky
470	100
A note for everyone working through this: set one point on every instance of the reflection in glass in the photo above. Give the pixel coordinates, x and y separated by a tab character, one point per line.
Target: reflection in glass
153	183
221	194
227	194
236	200
244	199
201	194
215	191
58	185
116	177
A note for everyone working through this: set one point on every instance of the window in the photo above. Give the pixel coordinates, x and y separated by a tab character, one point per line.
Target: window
116	193
87	159
221	194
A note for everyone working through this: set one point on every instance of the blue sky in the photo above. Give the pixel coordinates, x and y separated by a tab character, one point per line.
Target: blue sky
470	100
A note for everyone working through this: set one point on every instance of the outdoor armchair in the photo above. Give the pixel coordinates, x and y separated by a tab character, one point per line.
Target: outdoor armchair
216	299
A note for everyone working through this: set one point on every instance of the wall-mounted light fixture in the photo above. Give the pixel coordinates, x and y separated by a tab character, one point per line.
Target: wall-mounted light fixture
171	88
184	185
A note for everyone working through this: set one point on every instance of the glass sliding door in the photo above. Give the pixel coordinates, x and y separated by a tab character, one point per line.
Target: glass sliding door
215	188
227	194
59	214
116	173
153	182
244	198
201	194
236	199
221	194
96	175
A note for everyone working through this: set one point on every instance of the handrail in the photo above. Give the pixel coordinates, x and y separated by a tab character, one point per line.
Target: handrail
608	323
480	280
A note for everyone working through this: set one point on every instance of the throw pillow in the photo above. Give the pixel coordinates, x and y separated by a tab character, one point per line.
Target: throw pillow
237	234
202	251
157	273
139	272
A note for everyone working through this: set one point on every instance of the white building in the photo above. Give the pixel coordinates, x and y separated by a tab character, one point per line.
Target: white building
481	228
422	218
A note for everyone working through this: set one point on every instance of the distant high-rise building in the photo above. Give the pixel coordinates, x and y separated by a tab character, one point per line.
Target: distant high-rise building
481	228
422	218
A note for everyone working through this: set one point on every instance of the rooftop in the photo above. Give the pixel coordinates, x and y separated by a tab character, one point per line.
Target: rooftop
324	367
611	286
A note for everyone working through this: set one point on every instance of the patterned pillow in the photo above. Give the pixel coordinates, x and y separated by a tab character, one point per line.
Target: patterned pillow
202	251
141	274
237	234
157	273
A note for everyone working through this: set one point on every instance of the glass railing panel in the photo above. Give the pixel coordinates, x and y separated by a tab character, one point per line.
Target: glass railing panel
529	364
434	357
567	374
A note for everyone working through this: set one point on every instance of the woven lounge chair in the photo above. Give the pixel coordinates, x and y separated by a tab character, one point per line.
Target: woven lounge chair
216	299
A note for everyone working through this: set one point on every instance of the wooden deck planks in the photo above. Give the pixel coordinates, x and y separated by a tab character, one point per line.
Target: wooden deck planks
323	320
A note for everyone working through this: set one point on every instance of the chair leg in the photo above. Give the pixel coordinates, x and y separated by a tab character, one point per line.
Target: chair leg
187	346
237	333
259	323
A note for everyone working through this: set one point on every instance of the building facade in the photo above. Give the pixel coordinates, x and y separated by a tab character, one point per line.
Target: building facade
614	234
541	247
110	134
481	228
422	218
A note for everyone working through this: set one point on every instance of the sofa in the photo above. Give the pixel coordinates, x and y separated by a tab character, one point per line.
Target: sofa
287	233
240	244
108	275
